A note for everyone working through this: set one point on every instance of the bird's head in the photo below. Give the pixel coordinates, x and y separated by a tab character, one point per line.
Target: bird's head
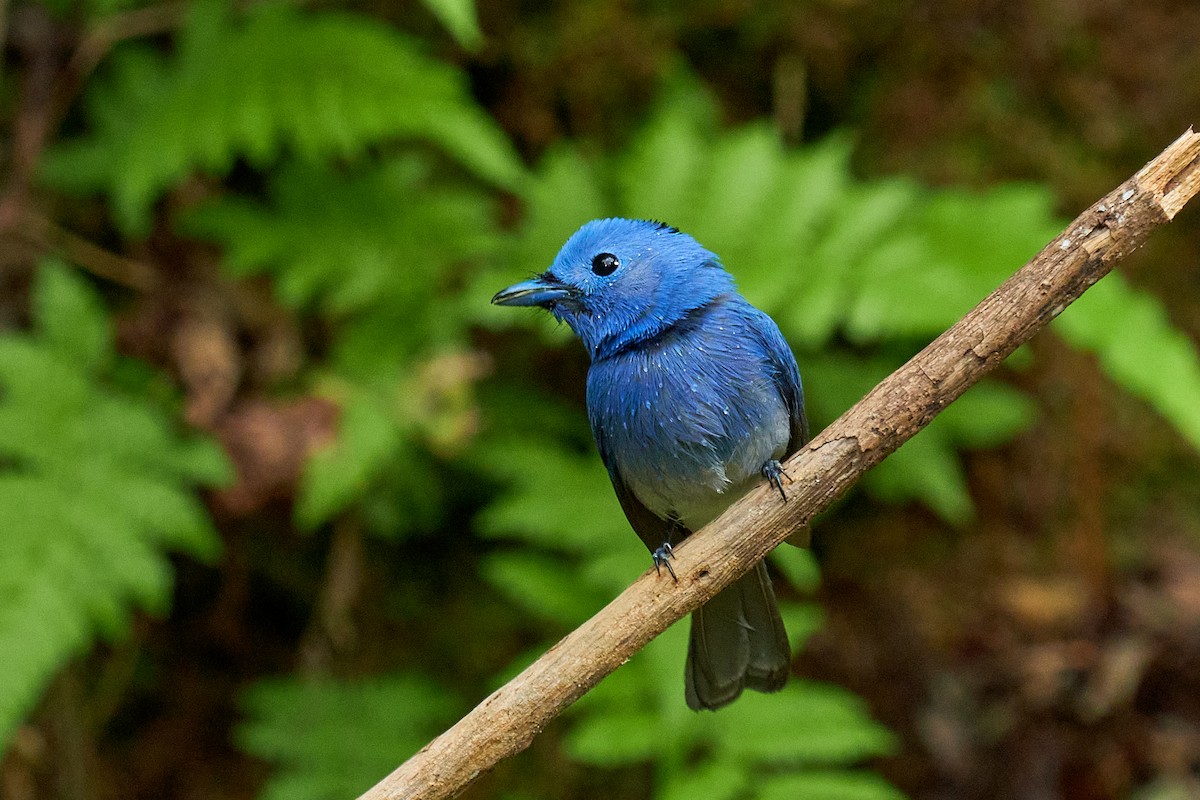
620	281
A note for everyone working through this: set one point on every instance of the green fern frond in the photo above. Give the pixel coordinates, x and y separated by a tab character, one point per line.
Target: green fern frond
320	85
368	439
807	729
376	252
821	251
460	19
554	490
1139	348
827	785
94	491
927	467
302	727
385	234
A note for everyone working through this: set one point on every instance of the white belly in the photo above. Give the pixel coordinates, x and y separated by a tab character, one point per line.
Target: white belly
698	498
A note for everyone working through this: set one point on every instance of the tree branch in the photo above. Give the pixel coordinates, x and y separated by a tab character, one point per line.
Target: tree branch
888	416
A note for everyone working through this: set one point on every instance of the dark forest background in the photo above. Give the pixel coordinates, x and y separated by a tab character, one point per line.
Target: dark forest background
282	496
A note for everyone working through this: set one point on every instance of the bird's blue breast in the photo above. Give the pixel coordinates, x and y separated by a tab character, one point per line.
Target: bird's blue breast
689	417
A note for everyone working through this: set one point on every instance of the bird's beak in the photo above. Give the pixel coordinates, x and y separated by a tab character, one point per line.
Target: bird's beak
540	291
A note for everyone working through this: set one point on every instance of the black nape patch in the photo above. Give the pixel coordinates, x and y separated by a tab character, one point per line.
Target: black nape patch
662	226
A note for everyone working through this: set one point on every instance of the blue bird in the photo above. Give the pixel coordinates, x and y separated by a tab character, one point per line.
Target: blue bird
693	396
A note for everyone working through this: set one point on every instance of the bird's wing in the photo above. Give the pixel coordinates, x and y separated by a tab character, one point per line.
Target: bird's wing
787	379
650	528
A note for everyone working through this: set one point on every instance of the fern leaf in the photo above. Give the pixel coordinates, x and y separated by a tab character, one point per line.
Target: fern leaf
944	257
539	585
661	176
301	727
460	19
341	243
927	468
712	780
1139	348
322	85
826	725
552	491
71	319
340	474
616	738
94	491
374	251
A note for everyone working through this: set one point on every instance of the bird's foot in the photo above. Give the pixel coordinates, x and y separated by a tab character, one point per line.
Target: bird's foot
773	472
662	558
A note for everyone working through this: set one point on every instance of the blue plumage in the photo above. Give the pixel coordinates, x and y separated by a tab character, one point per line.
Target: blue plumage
688	418
693	396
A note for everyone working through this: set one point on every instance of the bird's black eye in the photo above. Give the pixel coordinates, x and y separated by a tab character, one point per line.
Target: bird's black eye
605	264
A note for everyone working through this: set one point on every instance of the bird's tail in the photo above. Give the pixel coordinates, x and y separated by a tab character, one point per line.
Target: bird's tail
737	642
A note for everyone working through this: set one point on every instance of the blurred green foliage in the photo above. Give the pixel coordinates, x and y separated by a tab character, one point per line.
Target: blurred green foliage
374	212
96	488
321	86
331	737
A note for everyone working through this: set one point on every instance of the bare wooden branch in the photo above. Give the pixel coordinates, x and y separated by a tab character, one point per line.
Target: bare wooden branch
889	415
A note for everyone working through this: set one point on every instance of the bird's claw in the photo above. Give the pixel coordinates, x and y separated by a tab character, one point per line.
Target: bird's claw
773	472
662	558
